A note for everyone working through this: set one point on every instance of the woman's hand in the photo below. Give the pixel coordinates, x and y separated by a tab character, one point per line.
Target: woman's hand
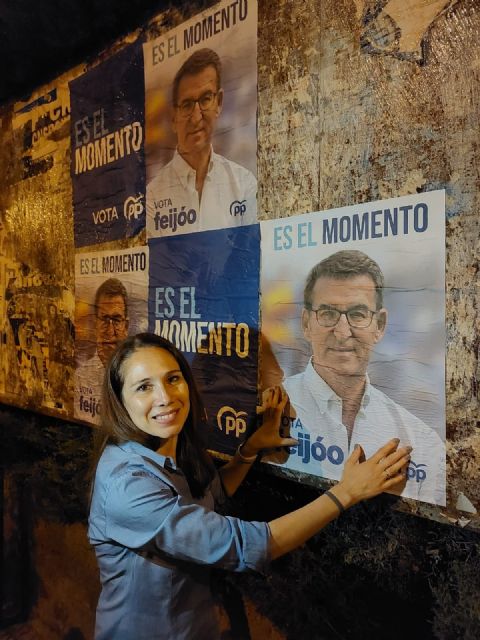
363	479
268	436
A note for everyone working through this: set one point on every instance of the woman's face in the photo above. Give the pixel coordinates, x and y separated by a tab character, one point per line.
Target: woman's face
155	393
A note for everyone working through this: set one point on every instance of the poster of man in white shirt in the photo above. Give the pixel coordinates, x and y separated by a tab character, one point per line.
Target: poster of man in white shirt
110	303
200	97
368	363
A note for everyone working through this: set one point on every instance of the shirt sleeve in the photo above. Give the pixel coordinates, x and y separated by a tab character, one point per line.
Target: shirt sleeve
217	489
144	512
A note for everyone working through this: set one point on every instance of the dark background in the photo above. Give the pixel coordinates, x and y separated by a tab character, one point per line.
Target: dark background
40	39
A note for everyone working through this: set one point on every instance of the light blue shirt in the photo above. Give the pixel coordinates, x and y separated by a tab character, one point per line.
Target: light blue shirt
155	545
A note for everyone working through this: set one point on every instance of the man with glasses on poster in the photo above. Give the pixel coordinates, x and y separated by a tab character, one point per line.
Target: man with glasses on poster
111	327
199	189
335	405
111	317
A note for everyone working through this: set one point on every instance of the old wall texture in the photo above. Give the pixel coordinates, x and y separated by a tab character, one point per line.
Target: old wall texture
358	100
365	100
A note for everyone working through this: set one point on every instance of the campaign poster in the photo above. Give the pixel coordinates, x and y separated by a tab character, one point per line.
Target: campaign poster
203	297
42	124
200	121
110	304
353	325
107	140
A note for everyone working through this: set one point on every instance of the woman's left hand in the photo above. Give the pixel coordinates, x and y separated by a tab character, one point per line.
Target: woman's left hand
267	436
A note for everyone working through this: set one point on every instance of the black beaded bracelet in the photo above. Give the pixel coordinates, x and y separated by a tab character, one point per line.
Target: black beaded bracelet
334	499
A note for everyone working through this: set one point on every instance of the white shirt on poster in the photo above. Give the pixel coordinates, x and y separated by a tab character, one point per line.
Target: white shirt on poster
323	438
229	198
88	389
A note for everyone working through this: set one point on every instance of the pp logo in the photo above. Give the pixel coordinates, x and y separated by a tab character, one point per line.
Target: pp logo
230	421
415	471
133	207
238	208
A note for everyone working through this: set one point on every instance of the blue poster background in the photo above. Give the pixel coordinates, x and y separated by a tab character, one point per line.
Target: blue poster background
107	133
198	281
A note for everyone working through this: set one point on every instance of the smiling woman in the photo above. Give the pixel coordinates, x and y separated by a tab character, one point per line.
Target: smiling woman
152	519
156	397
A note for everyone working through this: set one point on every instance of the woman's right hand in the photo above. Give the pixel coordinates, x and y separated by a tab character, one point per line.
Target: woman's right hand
383	471
361	479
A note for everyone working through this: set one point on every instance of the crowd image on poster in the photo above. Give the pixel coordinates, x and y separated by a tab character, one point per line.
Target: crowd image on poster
107	138
110	303
200	111
203	297
353	325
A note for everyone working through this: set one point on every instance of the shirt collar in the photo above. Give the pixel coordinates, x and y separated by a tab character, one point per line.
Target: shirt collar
135	447
324	394
184	171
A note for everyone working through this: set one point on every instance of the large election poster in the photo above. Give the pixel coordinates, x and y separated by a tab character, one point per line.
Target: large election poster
200	112
107	133
204	298
353	323
110	303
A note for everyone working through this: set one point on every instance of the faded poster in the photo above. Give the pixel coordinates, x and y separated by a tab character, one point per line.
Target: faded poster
110	303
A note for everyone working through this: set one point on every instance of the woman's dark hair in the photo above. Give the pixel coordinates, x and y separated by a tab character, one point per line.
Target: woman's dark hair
118	427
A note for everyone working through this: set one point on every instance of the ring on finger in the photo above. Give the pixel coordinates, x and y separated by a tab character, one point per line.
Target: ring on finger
387	473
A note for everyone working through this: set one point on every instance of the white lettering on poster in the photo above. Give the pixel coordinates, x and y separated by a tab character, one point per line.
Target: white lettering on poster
206	27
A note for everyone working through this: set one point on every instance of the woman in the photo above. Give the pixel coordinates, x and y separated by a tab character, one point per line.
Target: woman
152	520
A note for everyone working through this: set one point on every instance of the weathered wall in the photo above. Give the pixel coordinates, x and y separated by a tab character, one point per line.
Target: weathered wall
365	100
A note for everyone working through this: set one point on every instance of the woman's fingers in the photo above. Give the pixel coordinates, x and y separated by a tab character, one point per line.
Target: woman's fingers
397	478
386	450
384	470
356	456
278	400
288	442
272	398
394	457
398	465
283	399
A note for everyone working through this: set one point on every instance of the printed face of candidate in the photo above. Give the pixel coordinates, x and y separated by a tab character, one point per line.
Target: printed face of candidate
342	349
195	131
156	395
111	325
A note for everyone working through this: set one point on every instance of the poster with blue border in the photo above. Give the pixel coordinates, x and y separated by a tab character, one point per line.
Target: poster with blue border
353	326
204	297
201	122
107	137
